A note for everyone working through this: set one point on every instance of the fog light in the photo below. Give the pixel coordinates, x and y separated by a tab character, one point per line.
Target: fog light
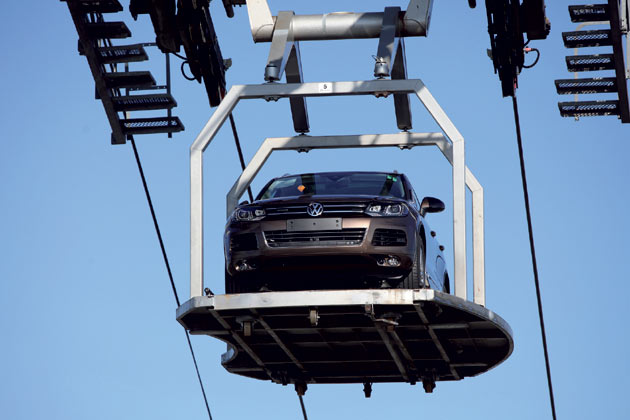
393	261
243	265
388	261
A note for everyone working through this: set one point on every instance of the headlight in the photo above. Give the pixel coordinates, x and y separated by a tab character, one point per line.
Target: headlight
248	214
378	209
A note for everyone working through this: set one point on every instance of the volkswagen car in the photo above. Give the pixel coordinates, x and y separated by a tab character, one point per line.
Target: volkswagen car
334	230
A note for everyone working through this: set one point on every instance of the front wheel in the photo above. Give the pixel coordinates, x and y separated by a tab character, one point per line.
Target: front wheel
230	284
415	278
447	285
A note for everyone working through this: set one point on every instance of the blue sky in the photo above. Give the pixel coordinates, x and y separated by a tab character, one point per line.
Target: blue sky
88	327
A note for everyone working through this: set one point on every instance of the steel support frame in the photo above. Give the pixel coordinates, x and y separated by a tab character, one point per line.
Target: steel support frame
625	29
620	69
273	91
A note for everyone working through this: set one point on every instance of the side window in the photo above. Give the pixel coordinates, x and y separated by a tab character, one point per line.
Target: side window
416	202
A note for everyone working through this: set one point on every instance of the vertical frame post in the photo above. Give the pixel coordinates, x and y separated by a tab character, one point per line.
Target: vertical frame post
200	144
459	186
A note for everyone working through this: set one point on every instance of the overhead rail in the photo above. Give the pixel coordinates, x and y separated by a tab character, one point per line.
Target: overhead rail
614	15
113	87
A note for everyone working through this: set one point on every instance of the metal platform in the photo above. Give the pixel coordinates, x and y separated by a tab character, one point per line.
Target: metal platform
351	336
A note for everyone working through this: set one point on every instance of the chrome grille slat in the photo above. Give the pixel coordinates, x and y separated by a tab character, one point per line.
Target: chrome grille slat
282	238
329	208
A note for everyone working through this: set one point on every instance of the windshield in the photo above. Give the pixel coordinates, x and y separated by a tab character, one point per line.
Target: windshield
335	183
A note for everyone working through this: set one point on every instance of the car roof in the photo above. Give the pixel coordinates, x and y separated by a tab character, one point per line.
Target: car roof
340	172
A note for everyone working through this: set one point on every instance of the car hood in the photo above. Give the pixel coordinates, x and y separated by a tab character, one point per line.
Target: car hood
305	199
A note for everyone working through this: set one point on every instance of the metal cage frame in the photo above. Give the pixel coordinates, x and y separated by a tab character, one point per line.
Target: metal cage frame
451	144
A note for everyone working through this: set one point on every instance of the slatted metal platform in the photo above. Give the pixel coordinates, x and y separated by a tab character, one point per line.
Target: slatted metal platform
351	336
121	54
151	125
588	108
589	13
590	85
591	62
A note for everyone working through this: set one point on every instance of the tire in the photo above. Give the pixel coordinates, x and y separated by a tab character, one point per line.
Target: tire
230	284
236	285
240	284
414	279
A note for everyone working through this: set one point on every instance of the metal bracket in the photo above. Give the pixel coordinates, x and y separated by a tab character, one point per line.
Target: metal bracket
391	49
387	43
418	15
402	105
284	55
281	46
299	112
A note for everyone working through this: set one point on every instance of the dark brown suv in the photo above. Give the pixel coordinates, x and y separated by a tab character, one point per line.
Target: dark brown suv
334	230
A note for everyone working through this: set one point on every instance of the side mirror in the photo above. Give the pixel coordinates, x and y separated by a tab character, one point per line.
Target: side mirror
431	205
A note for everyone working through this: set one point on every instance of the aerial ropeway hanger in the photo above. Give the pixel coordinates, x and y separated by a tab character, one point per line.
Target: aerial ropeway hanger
361	336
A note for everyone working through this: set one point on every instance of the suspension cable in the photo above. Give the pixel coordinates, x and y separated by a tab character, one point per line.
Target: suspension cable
168	267
303	408
533	254
240	153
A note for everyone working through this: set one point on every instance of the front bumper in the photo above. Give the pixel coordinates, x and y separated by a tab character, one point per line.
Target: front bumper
342	254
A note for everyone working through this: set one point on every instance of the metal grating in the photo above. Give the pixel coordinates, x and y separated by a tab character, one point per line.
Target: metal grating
129	79
151	125
243	242
144	102
589	13
389	237
121	54
283	239
579	39
588	108
592	85
594	62
99	6
107	30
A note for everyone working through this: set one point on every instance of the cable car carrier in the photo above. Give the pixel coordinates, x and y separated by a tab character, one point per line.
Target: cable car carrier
368	335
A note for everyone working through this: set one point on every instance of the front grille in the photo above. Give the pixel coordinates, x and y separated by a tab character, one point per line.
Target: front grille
389	237
243	242
282	238
336	208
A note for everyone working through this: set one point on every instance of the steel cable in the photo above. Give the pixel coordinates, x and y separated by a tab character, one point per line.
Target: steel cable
168	267
240	153
303	408
533	254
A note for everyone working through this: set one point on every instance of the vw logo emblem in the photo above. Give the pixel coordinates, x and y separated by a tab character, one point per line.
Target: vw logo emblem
315	209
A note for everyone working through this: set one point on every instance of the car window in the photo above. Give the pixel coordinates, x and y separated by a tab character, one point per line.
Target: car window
335	183
416	200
